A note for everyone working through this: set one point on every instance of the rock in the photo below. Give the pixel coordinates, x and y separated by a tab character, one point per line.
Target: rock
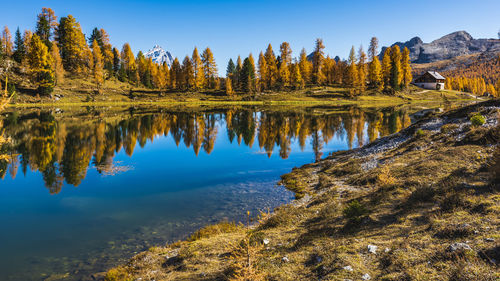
265	241
458	246
372	249
366	276
489	239
348	268
285	259
387	250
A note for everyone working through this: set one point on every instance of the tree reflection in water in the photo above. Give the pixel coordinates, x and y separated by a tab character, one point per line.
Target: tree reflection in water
63	150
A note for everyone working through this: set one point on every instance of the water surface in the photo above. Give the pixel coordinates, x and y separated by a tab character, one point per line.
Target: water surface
87	188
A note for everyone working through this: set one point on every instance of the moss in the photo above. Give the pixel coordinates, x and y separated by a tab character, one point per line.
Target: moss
477	120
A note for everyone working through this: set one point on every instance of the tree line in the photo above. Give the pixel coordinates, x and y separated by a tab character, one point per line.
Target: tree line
60	48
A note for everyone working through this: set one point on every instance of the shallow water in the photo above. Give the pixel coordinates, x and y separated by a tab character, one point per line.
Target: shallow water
87	188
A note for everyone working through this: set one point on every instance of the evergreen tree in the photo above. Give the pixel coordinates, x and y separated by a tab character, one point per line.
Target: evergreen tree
272	68
386	68
361	69
20	51
247	76
372	50
406	68
318	59
396	73
46	24
95	36
116	60
98	69
352	72
57	66
231	68
209	68
199	75
237	73
6	42
305	67
40	65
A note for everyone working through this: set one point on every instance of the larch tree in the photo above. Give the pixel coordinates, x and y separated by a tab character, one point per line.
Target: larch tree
188	73
209	68
362	69
284	66
272	68
98	67
7	41
396	73
373	48
262	72
305	67
57	66
406	68
318	59
175	74
73	46
128	62
199	75
375	74
46	25
386	68
352	72
40	64
20	49
296	79
329	70
229	87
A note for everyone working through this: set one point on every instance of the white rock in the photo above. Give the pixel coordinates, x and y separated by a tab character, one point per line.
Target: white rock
372	249
265	241
458	246
348	268
285	259
366	276
387	250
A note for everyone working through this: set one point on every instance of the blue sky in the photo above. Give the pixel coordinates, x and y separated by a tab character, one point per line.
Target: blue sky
230	28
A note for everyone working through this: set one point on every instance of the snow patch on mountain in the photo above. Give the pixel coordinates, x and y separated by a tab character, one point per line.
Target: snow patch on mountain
159	55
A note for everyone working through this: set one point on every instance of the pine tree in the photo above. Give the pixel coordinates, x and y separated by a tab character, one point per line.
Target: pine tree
237	73
272	68
20	51
386	68
209	68
116	60
406	68
6	42
199	76
57	66
361	69
305	67
231	68
73	46
318	59
396	73
372	50
229	87
95	36
46	24
40	65
352	72
98	70
247	76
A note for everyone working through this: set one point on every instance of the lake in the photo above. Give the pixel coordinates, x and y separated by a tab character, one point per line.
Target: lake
86	188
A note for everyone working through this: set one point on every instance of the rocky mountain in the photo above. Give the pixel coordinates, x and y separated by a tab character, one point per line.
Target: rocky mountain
455	44
159	55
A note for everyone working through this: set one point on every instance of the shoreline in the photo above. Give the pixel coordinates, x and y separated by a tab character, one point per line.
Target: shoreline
269	239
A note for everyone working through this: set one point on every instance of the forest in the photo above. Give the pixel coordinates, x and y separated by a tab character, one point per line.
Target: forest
59	49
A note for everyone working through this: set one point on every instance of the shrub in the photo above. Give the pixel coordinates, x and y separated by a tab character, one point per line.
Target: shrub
354	211
422	194
477	120
117	274
420	133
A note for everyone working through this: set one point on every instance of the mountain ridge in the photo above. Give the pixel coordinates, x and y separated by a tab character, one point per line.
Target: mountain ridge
159	55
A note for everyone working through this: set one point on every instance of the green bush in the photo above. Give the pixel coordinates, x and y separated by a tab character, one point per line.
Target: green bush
477	120
354	211
420	133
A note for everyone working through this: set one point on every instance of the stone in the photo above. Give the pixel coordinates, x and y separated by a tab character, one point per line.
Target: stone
489	239
285	259
366	276
372	249
458	246
387	250
348	268
265	241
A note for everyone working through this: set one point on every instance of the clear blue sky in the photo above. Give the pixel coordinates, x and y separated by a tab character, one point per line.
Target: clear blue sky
230	28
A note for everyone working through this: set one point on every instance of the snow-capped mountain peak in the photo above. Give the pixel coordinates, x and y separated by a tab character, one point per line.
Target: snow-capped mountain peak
159	55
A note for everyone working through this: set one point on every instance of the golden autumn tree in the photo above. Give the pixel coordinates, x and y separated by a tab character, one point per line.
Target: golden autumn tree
386	68
296	77
6	42
98	67
128	63
352	72
284	67
40	64
199	76
263	72
396	72
272	68
229	87
188	73
406	68
305	67
318	58
361	69
329	70
73	46
57	66
209	68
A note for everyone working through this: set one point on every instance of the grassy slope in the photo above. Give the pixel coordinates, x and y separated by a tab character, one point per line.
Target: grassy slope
78	91
433	188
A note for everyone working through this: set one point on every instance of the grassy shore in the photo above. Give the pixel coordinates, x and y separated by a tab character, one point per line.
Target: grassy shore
422	204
